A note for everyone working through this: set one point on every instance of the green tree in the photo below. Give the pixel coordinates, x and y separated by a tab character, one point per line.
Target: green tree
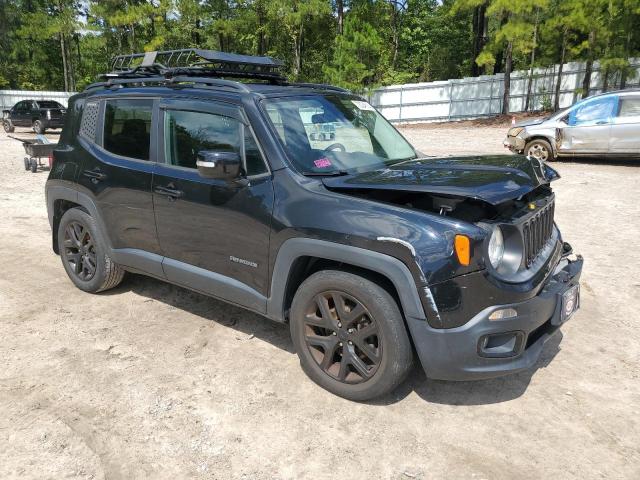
355	57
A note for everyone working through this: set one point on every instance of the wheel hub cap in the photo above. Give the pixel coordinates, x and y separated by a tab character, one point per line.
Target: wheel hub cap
342	337
79	251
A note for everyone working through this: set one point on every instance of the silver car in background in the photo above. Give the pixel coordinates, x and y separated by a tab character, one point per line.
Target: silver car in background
606	125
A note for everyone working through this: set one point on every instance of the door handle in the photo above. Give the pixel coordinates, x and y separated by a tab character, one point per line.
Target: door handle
169	191
94	175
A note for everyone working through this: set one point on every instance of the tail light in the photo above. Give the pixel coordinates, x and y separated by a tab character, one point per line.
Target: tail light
51	160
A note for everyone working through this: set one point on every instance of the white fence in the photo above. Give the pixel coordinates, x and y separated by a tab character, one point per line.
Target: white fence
482	96
8	98
450	99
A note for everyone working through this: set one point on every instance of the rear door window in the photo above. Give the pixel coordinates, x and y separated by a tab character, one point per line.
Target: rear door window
127	127
629	107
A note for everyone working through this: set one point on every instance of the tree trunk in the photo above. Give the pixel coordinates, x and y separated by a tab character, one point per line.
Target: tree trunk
395	34
497	67
297	53
605	80
65	68
508	64
586	83
340	9
480	26
70	68
196	33
563	52
262	40
482	32
475	49
531	66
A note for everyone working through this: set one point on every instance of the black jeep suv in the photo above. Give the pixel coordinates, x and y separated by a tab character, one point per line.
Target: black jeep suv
370	252
40	115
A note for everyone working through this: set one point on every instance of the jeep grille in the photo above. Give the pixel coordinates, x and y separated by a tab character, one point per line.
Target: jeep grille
537	231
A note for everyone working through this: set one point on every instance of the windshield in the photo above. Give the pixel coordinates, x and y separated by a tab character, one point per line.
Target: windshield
331	134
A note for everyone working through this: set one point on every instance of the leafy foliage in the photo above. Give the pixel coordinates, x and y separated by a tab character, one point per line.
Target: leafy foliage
359	44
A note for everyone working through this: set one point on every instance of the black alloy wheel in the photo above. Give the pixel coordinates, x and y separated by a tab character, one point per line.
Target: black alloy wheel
80	251
342	337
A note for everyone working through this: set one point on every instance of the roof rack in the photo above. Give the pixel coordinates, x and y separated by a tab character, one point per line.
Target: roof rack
195	62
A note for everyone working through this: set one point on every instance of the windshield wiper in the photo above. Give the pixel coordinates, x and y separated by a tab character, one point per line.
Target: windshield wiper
334	173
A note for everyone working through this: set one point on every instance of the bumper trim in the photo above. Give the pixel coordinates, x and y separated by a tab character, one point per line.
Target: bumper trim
452	354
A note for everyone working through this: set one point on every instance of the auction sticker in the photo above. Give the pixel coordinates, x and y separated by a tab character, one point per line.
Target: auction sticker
322	163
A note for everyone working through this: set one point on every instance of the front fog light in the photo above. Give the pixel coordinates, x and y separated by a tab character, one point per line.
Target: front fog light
503	314
496	247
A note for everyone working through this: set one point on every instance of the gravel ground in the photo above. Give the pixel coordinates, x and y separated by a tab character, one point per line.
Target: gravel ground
153	381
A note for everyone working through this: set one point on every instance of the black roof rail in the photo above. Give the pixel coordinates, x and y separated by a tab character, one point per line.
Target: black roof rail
169	82
195	62
325	86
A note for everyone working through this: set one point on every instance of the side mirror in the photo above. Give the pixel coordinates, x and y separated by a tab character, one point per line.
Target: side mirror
218	164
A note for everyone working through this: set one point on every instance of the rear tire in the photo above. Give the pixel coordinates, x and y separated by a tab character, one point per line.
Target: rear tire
34	165
540	150
27	164
350	335
38	127
84	253
8	126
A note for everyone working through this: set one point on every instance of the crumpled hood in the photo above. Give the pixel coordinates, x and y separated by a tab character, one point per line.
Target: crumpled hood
529	121
492	179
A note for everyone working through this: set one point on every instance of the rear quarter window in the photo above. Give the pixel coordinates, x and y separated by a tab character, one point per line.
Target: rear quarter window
89	122
127	127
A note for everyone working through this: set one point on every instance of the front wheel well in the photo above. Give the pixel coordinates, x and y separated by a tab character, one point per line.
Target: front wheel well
305	266
60	207
540	137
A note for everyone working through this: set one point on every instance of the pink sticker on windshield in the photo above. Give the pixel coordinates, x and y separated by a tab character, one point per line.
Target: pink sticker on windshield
322	162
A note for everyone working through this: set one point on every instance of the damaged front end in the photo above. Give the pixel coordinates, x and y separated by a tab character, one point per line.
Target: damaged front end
505	196
493	317
472	189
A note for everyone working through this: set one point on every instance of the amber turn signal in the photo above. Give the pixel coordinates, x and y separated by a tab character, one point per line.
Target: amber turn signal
463	249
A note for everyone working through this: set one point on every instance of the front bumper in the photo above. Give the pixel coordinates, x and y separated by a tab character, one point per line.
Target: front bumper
461	354
515	144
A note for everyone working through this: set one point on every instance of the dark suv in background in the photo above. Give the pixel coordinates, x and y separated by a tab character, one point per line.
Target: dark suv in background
39	115
370	252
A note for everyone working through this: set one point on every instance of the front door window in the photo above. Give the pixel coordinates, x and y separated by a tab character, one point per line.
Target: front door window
594	112
186	133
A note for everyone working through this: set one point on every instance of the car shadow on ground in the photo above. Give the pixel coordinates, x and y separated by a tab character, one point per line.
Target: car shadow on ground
482	392
209	308
479	392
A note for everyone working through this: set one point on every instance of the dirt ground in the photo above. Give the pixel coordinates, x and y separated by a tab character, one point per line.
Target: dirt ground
153	381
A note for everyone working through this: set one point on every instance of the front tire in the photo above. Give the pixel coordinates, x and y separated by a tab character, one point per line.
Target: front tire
84	254
8	126
350	335
540	150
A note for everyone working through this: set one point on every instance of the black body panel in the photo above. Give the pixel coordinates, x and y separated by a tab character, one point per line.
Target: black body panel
215	221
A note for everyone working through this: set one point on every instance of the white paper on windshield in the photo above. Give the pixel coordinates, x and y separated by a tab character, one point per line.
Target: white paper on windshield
363	105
